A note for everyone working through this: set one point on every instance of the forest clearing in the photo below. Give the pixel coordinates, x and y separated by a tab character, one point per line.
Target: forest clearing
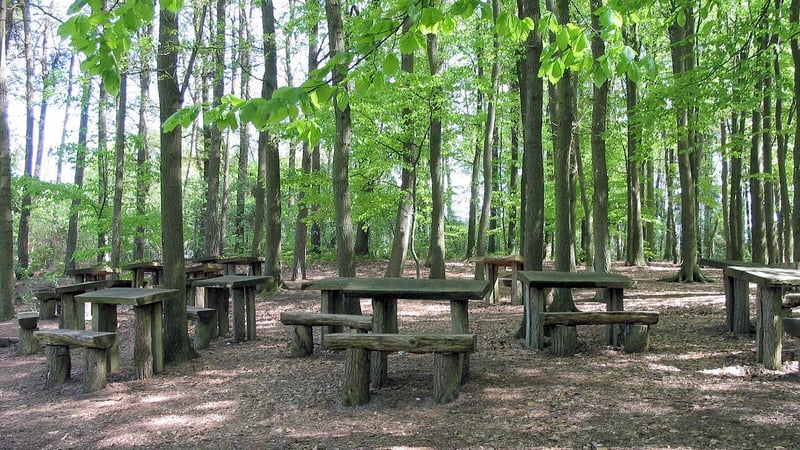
696	387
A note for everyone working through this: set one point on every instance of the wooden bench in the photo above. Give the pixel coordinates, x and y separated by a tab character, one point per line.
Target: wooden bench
446	348
59	364
635	335
28	323
205	325
302	331
791	301
48	303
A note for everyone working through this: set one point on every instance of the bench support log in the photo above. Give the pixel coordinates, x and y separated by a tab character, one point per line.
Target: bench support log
27	344
59	365
637	338
59	362
205	322
446	377
302	342
355	385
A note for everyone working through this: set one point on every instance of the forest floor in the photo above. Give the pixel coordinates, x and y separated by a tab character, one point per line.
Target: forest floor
697	386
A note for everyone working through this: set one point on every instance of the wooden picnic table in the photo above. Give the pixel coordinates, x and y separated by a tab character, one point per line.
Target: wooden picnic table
536	283
771	282
254	264
140	270
239	290
92	273
385	292
148	350
493	264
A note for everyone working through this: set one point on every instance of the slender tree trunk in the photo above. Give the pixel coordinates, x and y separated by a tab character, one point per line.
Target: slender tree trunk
23	252
474	185
242	183
736	214
102	171
408	179
143	177
211	227
47	88
119	173
437	246
488	142
341	155
67	111
176	340
6	217
602	254
723	142
513	190
769	185
671	235
785	223
80	165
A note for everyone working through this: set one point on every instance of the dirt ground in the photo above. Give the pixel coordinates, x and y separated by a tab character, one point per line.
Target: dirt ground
697	386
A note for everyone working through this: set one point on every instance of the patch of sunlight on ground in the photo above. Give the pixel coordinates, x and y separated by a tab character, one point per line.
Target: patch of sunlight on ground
729	371
663	368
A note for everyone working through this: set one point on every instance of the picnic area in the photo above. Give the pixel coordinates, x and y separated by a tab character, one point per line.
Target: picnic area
696	386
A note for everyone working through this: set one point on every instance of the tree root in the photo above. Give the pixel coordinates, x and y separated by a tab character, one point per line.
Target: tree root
696	276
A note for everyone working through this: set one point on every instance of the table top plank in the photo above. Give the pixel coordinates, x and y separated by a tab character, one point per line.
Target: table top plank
127	296
154	265
507	260
552	279
404	288
233	281
765	276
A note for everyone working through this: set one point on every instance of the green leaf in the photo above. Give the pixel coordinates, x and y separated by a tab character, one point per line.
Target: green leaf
562	39
557	71
681	18
410	43
391	64
182	117
75	7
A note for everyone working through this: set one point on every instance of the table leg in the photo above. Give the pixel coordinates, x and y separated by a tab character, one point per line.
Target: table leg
534	320
332	302
516	290
739	322
494	292
250	310
769	327
143	345
614	333
217	298
157	336
238	314
72	313
384	320
459	324
104	318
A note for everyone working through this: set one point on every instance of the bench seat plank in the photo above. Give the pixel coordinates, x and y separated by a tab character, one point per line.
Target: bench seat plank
600	318
82	338
414	343
358	322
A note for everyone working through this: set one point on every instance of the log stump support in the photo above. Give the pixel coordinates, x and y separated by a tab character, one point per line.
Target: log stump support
447	366
205	322
302	341
59	361
635	326
28	323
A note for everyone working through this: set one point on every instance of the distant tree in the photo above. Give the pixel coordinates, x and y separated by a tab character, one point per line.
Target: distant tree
6	218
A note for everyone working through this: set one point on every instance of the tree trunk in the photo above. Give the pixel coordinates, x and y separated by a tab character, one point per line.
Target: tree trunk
602	254
242	181
80	163
102	171
176	338
488	142
785	223
345	251
119	173
670	235
769	185
736	213
23	252
795	44
757	209
272	264
408	179
532	101
635	248
475	174
6	216
437	246
67	110
211	226
143	183
513	191
48	83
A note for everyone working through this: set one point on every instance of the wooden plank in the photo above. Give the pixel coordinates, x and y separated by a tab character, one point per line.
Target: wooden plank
233	281
404	288
320	319
791	300
79	288
82	338
412	343
600	318
765	276
127	296
508	260
552	279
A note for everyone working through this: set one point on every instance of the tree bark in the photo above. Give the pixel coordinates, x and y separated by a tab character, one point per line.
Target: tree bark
602	254
242	181
211	226
345	251
272	264
6	217
80	163
23	252
176	338
119	173
736	209
102	171
143	177
795	45
437	246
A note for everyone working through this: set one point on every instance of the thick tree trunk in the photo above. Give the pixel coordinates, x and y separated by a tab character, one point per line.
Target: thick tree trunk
6	217
795	44
23	252
272	264
341	156
211	226
176	338
602	255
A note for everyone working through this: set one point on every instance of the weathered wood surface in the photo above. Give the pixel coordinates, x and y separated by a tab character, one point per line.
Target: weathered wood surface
552	279
765	276
59	365
600	318
95	370
47	302
404	288
27	344
637	338
723	263
507	260
233	281
28	319
322	319
446	377
355	384
412	343
127	296
82	338
791	300
204	325
80	288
